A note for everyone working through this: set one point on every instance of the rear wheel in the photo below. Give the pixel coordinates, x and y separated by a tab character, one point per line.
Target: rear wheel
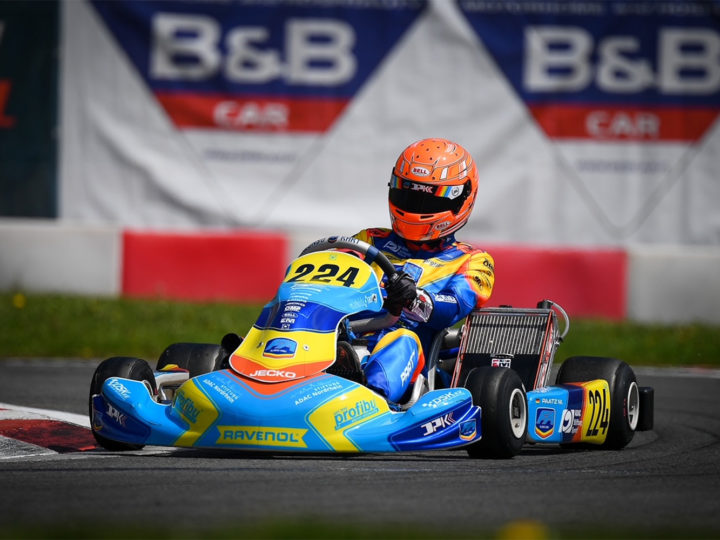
500	394
624	393
197	358
127	368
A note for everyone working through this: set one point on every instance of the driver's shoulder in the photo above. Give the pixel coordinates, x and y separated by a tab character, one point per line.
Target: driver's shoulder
373	233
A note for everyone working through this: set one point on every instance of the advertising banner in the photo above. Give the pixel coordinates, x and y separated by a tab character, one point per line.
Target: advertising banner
625	91
593	123
28	108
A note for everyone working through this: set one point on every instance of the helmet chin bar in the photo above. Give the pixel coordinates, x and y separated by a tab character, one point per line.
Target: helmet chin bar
426	231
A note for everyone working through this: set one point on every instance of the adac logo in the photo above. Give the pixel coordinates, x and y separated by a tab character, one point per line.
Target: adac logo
468	430
280	348
256	66
544	422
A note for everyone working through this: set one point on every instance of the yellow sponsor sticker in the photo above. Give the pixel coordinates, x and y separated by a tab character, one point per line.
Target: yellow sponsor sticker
281	437
333	418
596	411
196	409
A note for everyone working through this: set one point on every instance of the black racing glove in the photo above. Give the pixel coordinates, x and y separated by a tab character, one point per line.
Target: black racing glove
401	293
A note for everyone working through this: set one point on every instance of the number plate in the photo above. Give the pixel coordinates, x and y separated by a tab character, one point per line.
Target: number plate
596	411
329	268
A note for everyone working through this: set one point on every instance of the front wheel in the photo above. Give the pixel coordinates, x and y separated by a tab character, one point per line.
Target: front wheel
500	394
127	368
624	393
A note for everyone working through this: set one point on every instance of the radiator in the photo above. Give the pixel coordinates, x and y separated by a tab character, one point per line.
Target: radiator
520	339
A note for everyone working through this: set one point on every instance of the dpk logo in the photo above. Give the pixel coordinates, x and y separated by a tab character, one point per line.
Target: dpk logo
437	423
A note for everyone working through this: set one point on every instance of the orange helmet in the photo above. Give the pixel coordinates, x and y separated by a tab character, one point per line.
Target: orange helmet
432	190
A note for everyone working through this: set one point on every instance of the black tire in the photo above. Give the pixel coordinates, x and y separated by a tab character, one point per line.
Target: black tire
500	394
127	368
197	358
624	393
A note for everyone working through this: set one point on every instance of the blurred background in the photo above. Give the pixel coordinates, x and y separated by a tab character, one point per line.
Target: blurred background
190	149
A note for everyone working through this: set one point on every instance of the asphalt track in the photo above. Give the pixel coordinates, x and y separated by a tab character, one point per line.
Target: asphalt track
665	483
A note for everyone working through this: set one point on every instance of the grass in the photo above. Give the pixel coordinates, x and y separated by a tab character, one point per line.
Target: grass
279	529
75	326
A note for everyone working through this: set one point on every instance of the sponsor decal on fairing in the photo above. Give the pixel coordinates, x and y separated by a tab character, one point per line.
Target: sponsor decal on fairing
119	387
468	430
186	407
544	422
440	422
443	400
116	415
348	416
274	373
571	421
222	389
281	437
280	348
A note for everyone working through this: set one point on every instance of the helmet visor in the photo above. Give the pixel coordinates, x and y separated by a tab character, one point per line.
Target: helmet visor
419	198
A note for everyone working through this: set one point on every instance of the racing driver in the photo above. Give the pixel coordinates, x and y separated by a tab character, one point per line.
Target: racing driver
433	187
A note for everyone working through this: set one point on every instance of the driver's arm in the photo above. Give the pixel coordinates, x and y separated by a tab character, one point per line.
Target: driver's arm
468	289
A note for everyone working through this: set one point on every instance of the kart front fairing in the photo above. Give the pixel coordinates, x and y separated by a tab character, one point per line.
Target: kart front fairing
277	396
296	334
321	413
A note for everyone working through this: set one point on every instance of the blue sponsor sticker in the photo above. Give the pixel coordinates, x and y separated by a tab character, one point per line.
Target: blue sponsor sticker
413	270
544	422
468	430
280	348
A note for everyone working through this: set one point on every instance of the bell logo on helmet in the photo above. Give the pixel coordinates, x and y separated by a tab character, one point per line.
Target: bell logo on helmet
420	171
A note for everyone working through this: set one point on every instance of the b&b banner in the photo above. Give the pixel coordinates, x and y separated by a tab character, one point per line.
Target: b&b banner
592	122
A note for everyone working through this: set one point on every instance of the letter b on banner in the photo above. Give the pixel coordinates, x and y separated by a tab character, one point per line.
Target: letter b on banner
188	47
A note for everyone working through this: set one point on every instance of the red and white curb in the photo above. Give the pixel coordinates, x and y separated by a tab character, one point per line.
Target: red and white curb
26	432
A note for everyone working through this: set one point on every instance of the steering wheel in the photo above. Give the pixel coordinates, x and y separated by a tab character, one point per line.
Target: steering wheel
370	254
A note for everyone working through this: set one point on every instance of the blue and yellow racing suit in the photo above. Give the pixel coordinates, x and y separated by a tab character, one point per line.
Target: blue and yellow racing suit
457	277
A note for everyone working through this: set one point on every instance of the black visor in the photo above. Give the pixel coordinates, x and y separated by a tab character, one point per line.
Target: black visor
418	198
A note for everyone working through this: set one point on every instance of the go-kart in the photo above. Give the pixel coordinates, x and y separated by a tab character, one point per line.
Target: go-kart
295	383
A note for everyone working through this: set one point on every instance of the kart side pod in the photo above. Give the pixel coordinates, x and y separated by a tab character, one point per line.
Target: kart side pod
525	340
